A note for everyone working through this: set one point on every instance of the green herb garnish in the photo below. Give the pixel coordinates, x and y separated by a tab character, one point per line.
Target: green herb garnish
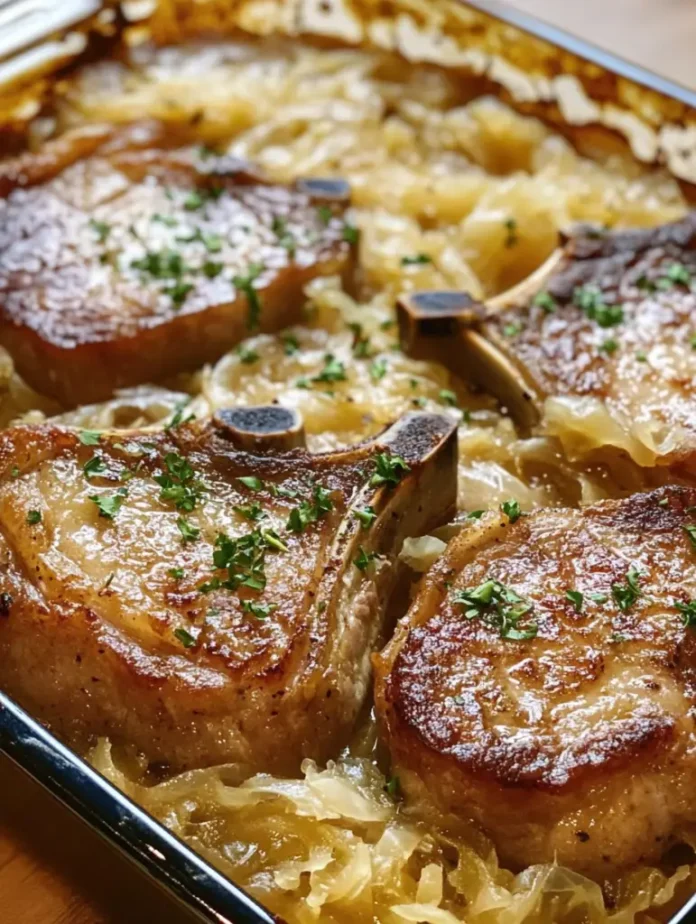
625	595
366	516
499	607
388	469
310	511
246	284
260	610
33	517
418	259
109	504
89	437
576	598
186	639
364	559
512	510
591	301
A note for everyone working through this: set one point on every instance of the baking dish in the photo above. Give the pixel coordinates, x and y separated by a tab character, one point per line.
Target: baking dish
595	100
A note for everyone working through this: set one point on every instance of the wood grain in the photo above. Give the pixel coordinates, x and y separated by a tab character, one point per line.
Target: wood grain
657	34
53	870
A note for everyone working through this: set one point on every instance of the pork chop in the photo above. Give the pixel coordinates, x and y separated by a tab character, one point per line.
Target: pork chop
202	602
123	261
607	343
543	684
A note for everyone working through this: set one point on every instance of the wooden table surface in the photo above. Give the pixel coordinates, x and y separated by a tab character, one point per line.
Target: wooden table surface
55	871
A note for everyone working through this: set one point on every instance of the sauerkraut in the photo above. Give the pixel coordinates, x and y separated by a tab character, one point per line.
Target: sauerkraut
448	192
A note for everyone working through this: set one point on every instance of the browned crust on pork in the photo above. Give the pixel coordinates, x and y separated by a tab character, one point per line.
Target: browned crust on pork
482	728
80	320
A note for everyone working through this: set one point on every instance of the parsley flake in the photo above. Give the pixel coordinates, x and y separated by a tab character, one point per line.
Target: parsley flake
625	595
366	516
89	437
364	559
109	504
512	510
33	517
576	598
245	284
260	610
388	469
418	259
499	607
310	511
186	639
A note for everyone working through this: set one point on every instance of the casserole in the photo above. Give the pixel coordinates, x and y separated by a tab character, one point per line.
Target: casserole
607	118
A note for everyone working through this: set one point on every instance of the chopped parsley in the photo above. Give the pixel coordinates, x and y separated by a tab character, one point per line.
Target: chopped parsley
512	330
545	301
677	275
609	346
100	228
392	787
194	200
691	533
388	469
378	370
176	573
260	610
244	559
475	514
290	345
333	371
178	418
179	484
247	355
93	467
350	234
512	236
310	511
625	595
499	607
186	639
251	482
245	284
364	559
576	598
109	504
366	516
325	214
688	611
512	510
189	532
448	397
418	259
598	597
33	517
163	264
285	237
251	512
211	269
178	292
591	301
89	437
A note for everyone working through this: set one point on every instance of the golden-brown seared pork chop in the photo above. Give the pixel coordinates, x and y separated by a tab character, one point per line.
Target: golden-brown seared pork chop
203	603
122	262
543	683
598	344
610	337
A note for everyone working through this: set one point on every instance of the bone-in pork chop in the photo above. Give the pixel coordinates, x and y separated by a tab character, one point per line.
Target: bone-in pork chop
206	603
123	261
609	342
543	684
